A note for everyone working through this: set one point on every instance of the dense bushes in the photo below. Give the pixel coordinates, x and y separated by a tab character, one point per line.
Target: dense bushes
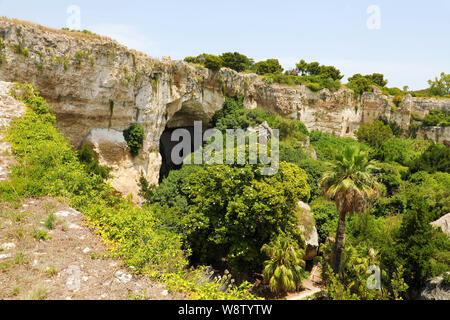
236	61
315	69
327	145
271	66
234	116
374	134
403	151
437	117
135	138
234	211
326	216
435	158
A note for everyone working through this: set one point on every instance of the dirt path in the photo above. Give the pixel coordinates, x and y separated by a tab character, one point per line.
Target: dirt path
310	290
63	259
311	285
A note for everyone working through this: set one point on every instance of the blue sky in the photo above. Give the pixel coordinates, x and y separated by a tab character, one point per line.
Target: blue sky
411	46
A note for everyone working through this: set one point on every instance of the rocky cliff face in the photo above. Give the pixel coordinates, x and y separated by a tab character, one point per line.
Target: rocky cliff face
99	88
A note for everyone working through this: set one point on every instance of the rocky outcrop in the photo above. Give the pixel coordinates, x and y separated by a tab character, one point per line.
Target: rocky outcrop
307	225
97	85
435	289
443	223
9	109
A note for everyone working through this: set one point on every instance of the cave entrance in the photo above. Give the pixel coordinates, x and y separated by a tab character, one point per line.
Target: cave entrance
183	119
166	146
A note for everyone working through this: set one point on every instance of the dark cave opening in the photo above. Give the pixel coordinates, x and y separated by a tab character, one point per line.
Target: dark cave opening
166	146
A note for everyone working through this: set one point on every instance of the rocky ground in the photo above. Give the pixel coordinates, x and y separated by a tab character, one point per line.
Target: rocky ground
62	259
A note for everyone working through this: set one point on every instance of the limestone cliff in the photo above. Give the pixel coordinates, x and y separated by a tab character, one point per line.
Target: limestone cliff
99	88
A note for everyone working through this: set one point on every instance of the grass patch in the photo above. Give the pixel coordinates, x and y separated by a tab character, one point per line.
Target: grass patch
50	221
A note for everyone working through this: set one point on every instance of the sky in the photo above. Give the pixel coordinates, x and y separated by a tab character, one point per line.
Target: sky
406	40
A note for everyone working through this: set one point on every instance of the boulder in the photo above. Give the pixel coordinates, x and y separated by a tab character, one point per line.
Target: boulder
443	223
435	289
307	225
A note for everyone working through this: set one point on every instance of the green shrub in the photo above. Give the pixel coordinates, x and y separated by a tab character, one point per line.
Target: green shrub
326	217
89	158
235	211
437	117
50	221
327	145
435	158
403	151
271	66
284	272
374	134
19	49
314	87
135	136
236	61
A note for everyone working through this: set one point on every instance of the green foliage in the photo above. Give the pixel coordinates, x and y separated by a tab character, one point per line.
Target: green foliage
28	94
289	128
434	189
374	134
19	49
235	211
403	151
435	158
283	272
89	158
437	117
397	131
236	61
315	69
413	246
390	176
170	192
440	86
326	217
50	221
271	66
361	84
40	235
134	136
234	116
314	83
327	146
293	152
209	61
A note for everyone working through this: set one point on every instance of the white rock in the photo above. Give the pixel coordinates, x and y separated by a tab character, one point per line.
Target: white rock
8	246
5	256
74	226
122	277
86	250
165	293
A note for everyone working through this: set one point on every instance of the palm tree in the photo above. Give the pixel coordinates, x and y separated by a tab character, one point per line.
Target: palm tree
284	271
351	183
